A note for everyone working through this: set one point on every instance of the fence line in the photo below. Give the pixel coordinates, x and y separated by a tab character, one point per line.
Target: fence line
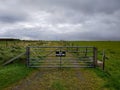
11	60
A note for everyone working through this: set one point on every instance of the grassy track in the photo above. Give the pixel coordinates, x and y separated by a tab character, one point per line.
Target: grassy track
61	79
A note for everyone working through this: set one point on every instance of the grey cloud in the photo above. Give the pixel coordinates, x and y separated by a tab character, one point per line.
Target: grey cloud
11	18
42	34
86	6
12	11
98	19
30	33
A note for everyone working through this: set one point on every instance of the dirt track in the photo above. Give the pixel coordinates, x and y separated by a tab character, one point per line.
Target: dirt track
59	79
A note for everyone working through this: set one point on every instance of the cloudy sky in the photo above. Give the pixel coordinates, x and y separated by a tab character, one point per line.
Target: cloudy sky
60	19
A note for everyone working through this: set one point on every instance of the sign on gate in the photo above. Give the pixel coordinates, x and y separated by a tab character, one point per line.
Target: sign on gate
60	53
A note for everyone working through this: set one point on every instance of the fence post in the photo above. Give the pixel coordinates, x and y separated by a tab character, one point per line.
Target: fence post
95	56
28	55
103	58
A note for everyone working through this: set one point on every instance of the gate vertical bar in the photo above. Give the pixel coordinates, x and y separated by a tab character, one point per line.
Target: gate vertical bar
86	50
60	59
94	56
28	55
77	49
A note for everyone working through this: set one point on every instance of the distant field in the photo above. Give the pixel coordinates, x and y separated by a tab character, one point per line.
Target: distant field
9	49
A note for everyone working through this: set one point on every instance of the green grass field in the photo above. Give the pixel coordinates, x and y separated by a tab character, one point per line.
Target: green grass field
16	71
112	50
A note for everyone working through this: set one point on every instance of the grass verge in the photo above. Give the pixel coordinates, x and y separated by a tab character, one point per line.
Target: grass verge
13	73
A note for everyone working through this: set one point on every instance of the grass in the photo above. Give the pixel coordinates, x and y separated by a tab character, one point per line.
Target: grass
107	80
112	71
57	85
13	73
10	49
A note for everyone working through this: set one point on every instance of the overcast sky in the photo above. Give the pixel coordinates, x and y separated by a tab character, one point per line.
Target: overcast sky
60	19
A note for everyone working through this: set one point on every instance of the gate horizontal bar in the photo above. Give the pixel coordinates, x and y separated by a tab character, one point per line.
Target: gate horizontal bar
90	61
89	51
61	46
63	66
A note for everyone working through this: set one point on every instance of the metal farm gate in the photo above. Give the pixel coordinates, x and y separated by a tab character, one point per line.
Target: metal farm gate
61	56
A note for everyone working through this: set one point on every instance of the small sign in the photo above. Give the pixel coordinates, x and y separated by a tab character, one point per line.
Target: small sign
60	53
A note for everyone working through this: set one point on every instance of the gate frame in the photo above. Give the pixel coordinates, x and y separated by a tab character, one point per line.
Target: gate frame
94	52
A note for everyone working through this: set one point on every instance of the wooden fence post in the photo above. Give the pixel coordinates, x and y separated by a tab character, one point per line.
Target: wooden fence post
27	55
103	59
95	56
